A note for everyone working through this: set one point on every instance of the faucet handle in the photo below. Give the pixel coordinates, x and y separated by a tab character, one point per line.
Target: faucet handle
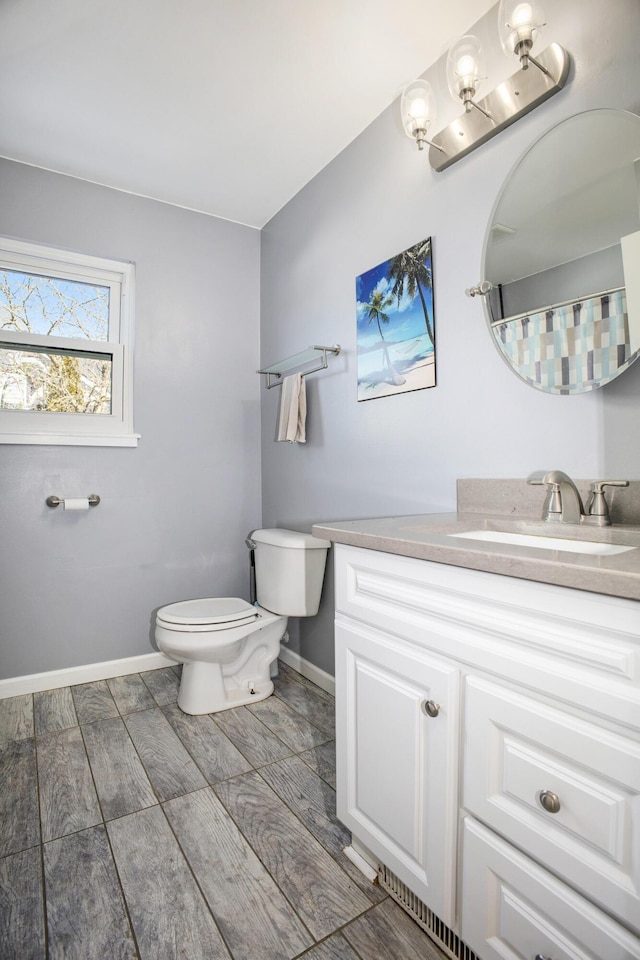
598	508
597	485
552	507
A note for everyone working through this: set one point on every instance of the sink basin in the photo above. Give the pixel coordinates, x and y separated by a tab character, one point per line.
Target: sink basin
544	543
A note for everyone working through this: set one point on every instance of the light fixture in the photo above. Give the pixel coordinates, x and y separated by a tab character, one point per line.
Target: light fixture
465	71
519	26
418	110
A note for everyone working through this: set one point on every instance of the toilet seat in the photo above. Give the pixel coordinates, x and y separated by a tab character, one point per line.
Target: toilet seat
207	614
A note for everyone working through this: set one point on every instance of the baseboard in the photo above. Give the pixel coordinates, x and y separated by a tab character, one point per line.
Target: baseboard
35	682
309	670
70	676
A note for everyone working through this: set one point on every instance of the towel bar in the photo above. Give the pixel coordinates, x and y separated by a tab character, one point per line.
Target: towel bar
290	364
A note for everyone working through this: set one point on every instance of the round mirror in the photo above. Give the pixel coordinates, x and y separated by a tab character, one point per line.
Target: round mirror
562	255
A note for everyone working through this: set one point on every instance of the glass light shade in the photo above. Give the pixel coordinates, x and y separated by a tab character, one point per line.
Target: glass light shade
417	108
464	67
519	24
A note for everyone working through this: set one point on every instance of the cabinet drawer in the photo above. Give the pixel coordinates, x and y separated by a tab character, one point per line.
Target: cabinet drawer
520	754
512	909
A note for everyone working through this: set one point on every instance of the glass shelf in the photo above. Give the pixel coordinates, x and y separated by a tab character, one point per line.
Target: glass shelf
315	354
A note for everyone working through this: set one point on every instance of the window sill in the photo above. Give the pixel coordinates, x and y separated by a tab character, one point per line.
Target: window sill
62	439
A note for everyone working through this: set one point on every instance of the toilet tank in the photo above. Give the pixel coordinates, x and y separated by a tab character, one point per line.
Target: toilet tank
289	571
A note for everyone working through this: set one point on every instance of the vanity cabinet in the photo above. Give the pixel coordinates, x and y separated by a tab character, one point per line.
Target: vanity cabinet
488	751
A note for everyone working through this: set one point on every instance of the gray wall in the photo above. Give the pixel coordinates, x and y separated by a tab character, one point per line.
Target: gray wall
402	455
82	588
573	280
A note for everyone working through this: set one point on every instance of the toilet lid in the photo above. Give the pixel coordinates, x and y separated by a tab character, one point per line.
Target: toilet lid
208	610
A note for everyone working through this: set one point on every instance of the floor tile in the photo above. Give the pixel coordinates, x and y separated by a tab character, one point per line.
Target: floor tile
211	749
163	685
335	948
323	895
251	866
289	726
322	760
54	710
314	802
93	701
311	799
120	779
68	800
169	767
86	915
251	912
130	693
21	907
19	815
387	933
255	741
16	718
169	915
316	706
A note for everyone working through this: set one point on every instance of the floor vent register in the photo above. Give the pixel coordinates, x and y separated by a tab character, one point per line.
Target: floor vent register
446	939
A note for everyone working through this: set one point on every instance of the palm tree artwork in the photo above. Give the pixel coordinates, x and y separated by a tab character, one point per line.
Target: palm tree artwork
379	301
395	325
411	270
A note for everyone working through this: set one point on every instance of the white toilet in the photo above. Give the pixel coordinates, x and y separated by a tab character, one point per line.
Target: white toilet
227	645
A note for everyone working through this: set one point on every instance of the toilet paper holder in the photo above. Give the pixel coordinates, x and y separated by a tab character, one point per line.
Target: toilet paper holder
54	501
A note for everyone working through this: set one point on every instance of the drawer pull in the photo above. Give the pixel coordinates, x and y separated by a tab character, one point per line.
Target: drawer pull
431	708
540	957
551	803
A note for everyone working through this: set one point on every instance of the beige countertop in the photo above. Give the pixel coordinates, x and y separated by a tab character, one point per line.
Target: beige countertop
428	537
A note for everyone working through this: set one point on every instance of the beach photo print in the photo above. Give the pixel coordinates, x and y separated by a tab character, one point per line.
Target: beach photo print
396	326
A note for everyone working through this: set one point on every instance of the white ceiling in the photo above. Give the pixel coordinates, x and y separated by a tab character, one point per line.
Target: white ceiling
223	106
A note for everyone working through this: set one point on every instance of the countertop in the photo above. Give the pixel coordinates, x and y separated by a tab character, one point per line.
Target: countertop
428	537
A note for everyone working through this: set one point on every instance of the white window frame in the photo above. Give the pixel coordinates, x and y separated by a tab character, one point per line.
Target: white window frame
86	429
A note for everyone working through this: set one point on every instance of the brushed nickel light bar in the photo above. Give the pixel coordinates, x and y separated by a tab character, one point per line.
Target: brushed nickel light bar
519	26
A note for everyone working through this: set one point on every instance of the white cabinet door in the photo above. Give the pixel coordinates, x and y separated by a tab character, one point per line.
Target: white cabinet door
397	755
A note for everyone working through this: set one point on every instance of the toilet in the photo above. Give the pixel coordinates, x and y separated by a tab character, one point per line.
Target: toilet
227	645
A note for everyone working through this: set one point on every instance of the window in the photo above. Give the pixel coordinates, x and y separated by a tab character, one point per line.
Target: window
66	347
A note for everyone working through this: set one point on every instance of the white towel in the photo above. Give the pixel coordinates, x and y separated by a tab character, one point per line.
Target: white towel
293	410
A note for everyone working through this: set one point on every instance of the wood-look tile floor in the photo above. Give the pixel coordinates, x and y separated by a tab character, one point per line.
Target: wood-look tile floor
131	831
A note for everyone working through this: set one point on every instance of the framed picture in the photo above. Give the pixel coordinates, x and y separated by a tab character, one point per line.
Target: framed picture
396	325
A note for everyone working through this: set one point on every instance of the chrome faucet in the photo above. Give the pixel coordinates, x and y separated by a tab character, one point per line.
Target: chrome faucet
563	503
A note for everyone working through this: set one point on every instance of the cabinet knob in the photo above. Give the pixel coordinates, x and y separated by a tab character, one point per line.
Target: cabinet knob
431	708
550	802
540	957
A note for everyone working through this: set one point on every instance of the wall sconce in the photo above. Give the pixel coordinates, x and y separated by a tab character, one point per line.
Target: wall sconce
465	71
519	25
418	110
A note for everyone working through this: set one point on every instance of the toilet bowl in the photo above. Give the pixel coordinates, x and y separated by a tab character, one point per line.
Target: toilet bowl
227	645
